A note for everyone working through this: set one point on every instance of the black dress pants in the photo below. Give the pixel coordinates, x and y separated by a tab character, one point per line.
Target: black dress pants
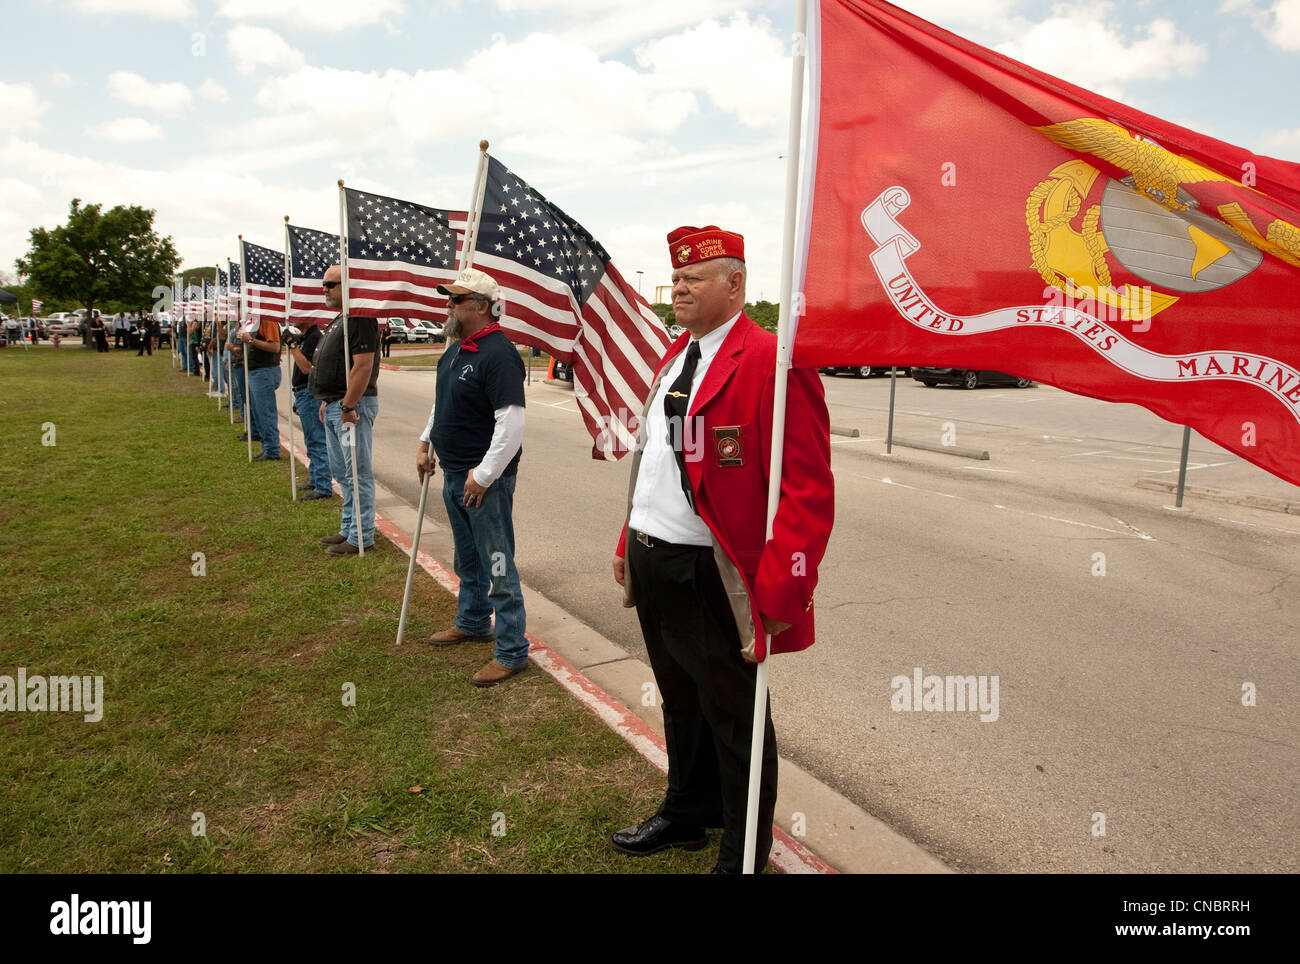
708	695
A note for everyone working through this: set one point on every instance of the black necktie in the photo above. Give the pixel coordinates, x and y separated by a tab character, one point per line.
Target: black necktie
675	404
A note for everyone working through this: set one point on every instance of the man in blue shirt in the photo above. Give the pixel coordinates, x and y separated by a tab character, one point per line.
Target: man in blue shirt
476	428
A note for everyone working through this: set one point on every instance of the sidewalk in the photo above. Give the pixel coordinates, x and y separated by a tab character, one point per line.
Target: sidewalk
818	830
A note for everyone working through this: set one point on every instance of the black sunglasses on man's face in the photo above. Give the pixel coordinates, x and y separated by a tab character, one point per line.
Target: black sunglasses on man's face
330	284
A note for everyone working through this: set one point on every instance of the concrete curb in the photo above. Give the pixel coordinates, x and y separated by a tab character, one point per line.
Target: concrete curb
862	844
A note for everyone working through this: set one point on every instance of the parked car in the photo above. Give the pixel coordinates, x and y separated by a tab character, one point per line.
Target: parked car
64	324
426	331
164	320
967	377
675	331
563	371
397	330
862	371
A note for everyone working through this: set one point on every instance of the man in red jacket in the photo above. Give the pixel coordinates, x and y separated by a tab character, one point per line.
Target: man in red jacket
694	558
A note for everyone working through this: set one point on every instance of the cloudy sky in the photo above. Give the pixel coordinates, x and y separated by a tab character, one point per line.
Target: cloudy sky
634	116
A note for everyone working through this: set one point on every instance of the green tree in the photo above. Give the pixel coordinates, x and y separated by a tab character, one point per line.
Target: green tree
665	312
100	259
763	313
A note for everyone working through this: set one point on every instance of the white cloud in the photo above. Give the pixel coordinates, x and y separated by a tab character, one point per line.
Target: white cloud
211	90
253	47
162	9
596	103
748	71
1284	24
608	25
1078	44
168	99
20	107
126	130
1283	143
217	203
942	12
327	15
60	79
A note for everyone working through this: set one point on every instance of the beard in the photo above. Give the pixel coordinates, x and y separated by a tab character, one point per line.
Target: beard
452	328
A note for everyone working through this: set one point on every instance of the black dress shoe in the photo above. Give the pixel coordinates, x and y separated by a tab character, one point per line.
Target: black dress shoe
658	834
313	494
242	437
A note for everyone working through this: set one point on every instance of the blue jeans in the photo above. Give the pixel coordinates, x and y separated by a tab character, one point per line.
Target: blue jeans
182	349
484	561
237	388
262	383
313	433
219	375
340	457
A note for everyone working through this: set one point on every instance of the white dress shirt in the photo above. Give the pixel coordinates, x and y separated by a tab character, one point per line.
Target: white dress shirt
659	507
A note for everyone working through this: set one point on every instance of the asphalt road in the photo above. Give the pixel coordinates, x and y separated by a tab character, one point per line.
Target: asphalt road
1121	633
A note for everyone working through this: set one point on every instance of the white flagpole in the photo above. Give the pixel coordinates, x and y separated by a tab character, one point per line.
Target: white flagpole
216	326
230	372
783	346
288	301
466	259
248	402
347	364
172	313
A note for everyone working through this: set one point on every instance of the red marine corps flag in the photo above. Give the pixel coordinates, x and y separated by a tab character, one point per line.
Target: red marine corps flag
962	209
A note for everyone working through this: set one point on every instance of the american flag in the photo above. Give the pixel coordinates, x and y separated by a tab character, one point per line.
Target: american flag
209	301
263	282
223	295
36	306
563	295
310	254
398	254
193	303
234	290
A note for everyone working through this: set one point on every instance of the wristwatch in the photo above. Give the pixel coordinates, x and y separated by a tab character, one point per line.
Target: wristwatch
345	409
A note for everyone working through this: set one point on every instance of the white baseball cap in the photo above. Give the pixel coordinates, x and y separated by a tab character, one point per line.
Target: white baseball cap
471	281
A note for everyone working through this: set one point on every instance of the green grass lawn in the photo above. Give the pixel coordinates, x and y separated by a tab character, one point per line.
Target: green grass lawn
223	692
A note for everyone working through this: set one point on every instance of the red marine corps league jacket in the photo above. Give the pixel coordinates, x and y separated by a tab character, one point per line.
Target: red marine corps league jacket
731	414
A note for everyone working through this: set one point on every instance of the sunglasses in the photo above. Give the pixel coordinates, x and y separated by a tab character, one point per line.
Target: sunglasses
331	284
457	299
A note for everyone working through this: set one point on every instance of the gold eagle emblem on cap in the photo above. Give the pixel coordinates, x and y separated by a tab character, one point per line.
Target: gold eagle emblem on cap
684	253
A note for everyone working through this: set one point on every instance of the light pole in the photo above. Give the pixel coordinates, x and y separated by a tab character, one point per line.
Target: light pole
638	281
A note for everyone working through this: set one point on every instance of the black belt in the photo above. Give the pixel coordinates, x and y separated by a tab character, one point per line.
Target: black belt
652	543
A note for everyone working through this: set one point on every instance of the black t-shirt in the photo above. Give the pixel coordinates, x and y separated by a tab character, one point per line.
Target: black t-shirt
471	386
308	348
329	374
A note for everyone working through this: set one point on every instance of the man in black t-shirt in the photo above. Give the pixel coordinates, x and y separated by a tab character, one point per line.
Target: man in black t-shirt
348	397
477	430
301	351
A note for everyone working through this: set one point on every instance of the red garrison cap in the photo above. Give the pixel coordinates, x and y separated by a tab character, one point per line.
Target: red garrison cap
687	245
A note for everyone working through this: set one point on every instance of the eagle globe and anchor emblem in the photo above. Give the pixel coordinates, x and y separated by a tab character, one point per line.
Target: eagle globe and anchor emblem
1146	221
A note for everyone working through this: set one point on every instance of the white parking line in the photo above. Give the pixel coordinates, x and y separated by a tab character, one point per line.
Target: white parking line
1256	525
1132	532
1140	533
1190	467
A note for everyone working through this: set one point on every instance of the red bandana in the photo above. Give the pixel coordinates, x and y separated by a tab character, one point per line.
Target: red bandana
467	343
